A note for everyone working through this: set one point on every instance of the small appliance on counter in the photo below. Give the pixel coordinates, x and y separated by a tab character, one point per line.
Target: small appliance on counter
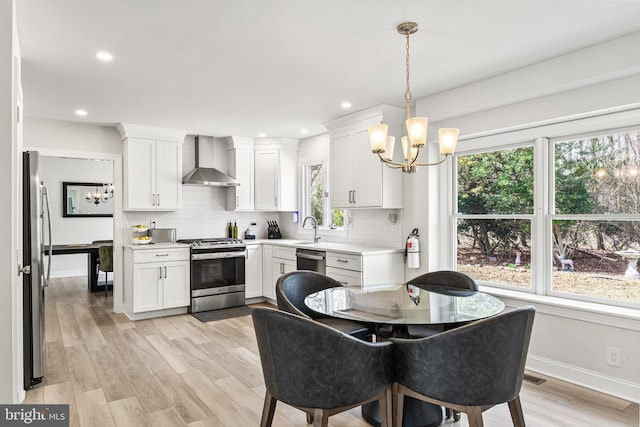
250	233
273	231
163	235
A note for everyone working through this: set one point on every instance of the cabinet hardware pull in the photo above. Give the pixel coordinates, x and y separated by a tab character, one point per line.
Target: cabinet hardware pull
343	283
276	199
165	271
281	268
160	268
158	199
350	196
342	260
237	201
162	254
354	196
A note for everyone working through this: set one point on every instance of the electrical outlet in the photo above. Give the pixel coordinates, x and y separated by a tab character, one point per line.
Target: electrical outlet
613	356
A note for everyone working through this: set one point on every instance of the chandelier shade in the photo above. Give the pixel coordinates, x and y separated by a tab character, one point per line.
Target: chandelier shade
416	128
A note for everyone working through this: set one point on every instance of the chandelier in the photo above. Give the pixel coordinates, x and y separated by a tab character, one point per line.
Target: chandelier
382	144
98	196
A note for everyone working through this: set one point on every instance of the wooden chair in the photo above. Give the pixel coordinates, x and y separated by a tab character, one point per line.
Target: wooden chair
468	369
318	369
293	287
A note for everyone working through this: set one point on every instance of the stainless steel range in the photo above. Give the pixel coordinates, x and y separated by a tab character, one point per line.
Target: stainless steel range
217	273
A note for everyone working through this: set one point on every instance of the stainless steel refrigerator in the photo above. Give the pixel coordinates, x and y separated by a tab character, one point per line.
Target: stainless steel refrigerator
36	213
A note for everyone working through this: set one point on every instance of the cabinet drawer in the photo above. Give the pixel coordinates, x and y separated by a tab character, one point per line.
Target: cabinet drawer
346	261
345	277
168	254
284	253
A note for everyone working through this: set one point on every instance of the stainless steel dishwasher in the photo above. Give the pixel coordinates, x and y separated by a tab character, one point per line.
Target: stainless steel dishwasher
309	259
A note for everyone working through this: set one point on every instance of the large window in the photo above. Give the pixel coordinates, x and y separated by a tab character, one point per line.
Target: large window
316	197
583	229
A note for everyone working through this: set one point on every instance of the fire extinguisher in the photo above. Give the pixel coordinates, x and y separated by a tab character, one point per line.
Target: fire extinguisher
413	249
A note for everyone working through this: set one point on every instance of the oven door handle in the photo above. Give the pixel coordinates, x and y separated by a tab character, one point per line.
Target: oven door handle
217	255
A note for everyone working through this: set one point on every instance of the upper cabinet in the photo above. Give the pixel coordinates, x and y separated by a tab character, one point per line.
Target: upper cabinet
358	177
241	167
276	174
152	168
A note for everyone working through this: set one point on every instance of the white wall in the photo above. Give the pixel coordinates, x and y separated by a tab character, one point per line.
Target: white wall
567	342
53	172
10	291
368	227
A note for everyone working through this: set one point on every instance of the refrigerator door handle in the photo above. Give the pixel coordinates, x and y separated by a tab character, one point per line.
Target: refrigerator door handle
45	195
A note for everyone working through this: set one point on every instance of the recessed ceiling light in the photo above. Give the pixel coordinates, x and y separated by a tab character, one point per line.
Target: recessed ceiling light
81	113
104	56
304	131
262	135
346	104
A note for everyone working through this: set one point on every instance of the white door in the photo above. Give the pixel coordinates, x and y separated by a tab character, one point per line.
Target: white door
266	181
341	170
367	173
244	175
168	175
147	287
140	179
253	272
175	287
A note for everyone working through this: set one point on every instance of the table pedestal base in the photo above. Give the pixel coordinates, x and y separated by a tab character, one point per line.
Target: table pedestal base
416	413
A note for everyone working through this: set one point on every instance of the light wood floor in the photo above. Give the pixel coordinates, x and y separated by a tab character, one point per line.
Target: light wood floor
177	371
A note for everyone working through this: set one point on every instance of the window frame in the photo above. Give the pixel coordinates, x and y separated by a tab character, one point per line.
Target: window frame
305	208
544	135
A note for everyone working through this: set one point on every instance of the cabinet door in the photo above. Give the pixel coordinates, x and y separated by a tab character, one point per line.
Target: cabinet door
168	175
367	169
288	181
341	170
175	286
147	287
266	180
268	285
253	272
244	175
140	167
279	267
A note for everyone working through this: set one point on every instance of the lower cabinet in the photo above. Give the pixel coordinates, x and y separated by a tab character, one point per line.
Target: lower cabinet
277	261
366	270
253	272
156	279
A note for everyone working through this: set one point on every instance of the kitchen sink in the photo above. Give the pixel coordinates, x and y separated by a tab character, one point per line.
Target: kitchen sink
306	243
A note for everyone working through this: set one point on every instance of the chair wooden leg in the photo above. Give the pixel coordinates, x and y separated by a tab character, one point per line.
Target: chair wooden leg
517	416
475	416
386	409
320	418
397	407
309	418
268	409
447	413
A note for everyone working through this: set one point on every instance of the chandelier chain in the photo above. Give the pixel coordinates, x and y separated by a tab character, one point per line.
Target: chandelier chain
407	94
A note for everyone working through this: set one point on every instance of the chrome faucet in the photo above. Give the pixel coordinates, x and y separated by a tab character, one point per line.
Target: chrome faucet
315	227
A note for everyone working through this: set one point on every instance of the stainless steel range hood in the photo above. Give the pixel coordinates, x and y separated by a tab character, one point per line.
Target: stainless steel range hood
207	176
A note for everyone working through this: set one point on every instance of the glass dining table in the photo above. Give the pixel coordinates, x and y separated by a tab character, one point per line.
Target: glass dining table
394	308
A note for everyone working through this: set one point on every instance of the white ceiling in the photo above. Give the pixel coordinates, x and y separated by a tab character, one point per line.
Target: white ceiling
243	67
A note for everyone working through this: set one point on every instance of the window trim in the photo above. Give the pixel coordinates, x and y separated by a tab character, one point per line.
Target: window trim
599	122
305	205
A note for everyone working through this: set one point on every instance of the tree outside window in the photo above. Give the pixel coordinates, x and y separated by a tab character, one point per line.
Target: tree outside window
317	197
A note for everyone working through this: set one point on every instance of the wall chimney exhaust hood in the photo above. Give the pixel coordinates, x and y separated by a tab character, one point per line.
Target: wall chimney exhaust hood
207	176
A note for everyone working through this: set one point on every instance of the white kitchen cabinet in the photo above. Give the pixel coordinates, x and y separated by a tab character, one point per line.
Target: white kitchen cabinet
156	280
367	270
276	174
253	272
358	177
277	260
152	168
242	169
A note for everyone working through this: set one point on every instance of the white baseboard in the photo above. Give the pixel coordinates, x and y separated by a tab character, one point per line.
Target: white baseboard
582	377
68	273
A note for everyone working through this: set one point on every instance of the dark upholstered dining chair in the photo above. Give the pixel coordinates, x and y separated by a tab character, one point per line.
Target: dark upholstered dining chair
105	260
318	369
293	287
468	369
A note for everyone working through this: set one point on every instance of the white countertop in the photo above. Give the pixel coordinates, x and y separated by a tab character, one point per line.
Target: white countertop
156	246
352	248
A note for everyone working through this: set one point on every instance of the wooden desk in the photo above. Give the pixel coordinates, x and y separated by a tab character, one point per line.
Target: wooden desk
92	260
